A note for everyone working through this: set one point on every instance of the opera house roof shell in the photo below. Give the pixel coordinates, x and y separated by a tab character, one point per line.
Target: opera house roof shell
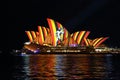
57	35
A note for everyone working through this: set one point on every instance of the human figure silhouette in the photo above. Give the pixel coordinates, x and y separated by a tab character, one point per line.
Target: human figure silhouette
59	32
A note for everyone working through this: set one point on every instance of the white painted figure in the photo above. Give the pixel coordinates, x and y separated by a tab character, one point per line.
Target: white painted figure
59	32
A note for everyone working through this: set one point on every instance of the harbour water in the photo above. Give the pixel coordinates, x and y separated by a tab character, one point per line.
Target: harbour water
65	67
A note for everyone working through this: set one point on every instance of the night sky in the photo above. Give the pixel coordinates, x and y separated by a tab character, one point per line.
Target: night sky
101	17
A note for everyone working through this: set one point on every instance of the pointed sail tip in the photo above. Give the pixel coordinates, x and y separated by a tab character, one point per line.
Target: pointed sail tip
48	18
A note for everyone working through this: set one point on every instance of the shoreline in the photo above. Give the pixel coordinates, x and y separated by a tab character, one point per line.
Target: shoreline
64	53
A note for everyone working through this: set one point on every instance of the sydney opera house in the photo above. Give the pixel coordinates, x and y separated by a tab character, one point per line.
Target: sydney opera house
57	38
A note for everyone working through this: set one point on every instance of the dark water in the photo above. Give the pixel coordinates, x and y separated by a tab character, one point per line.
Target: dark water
66	67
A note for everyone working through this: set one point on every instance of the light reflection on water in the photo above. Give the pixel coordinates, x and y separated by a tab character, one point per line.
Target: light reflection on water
66	67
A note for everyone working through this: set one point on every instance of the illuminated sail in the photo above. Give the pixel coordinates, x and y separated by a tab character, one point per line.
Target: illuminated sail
101	41
89	42
72	42
66	34
86	42
52	26
85	37
33	34
93	41
48	40
74	35
41	36
80	37
37	33
29	36
36	40
97	41
45	31
57	34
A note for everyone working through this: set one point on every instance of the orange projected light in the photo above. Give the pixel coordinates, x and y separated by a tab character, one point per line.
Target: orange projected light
74	36
85	36
48	30
57	33
100	42
29	36
97	41
44	32
80	36
33	34
53	30
86	41
37	34
65	34
93	41
59	25
89	42
41	37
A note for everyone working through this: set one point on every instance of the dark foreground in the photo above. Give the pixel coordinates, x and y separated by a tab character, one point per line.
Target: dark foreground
64	67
